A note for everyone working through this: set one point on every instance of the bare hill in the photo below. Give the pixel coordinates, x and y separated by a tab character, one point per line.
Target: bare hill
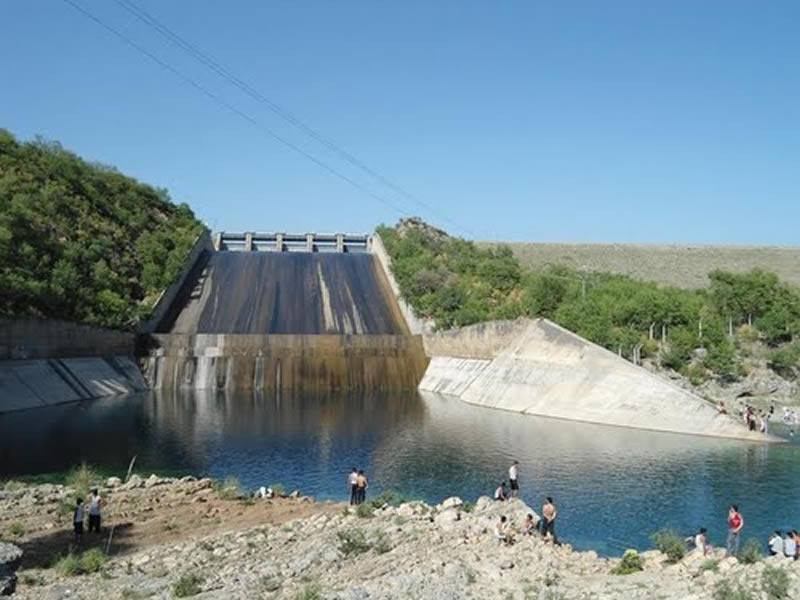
683	265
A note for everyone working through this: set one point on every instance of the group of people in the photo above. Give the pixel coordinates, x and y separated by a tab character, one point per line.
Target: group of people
758	420
504	529
787	545
80	512
358	486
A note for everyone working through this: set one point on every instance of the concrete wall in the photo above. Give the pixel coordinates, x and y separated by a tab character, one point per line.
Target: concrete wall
288	362
35	383
546	370
416	325
49	362
201	249
41	338
683	265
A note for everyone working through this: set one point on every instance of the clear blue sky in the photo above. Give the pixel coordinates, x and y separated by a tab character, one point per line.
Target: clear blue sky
670	121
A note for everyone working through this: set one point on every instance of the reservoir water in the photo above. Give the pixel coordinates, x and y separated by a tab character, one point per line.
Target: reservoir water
613	486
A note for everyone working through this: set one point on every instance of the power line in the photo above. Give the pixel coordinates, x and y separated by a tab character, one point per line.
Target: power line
232	108
226	74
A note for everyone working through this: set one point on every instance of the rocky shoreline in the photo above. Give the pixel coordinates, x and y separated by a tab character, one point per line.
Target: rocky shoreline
189	537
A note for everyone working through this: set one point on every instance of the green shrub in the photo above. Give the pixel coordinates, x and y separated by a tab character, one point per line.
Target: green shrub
709	564
92	561
83	479
187	585
775	583
725	590
310	592
382	544
352	542
68	565
364	511
278	489
229	488
631	563
670	543
750	552
467	507
389	497
16	529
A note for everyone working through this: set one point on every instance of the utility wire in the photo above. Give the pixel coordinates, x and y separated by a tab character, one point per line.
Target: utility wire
205	91
226	74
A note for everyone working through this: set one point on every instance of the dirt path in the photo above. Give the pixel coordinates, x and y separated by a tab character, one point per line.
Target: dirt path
169	512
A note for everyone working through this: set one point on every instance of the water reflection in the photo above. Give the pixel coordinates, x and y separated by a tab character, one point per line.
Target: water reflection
613	486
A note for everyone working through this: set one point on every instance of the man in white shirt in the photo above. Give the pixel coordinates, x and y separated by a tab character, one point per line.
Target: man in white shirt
352	480
789	546
775	544
512	478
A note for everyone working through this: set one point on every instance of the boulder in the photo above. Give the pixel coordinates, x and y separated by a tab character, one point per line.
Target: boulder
10	559
452	502
133	482
113	482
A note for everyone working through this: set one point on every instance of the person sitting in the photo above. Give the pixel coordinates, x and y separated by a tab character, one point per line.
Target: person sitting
528	525
796	538
502	531
775	543
701	543
789	546
500	492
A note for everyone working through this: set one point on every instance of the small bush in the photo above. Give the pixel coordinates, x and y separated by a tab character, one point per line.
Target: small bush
382	544
83	478
16	529
631	563
467	507
670	543
750	552
270	584
229	488
68	565
725	590
92	561
389	497
12	486
364	511
352	542
709	564
187	585
775	583
278	489
310	592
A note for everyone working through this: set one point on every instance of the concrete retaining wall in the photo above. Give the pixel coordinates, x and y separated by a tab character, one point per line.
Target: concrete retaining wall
40	338
546	370
315	363
35	383
416	325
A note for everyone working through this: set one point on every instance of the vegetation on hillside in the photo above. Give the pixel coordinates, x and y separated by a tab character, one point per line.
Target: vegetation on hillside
80	241
699	332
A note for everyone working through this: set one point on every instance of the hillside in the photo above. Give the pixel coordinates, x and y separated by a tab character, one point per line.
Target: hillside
742	323
80	241
682	265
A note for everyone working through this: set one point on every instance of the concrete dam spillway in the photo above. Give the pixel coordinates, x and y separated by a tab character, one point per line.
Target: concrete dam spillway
292	320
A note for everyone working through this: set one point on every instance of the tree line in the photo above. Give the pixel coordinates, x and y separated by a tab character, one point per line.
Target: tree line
79	241
701	332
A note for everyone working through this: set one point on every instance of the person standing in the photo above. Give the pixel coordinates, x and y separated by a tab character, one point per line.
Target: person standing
513	472
94	511
361	487
789	546
735	524
549	514
775	543
77	520
352	480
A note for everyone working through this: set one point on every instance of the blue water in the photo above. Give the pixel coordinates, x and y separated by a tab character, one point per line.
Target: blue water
612	486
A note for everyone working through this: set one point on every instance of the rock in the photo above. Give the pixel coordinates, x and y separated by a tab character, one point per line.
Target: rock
446	519
133	482
151	481
483	503
295	495
113	482
452	502
10	559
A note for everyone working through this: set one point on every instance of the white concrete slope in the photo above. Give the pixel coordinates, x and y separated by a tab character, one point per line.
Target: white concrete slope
549	371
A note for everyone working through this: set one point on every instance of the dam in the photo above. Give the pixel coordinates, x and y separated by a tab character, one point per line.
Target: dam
281	311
